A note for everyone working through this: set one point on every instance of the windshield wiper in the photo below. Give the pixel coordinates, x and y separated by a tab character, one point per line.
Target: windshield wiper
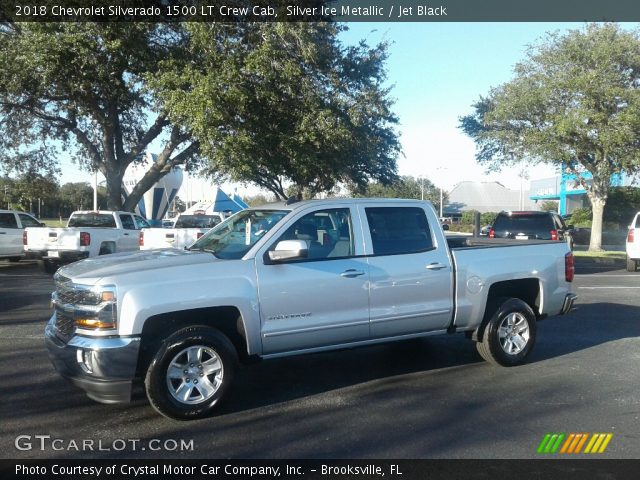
208	250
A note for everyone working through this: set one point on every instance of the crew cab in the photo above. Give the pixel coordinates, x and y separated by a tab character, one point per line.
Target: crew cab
88	234
633	244
186	230
287	279
12	224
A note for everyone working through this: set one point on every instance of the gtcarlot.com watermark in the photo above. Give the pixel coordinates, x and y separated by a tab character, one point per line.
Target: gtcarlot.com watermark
47	443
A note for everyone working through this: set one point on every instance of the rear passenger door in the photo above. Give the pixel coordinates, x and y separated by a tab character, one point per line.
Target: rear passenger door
410	273
10	234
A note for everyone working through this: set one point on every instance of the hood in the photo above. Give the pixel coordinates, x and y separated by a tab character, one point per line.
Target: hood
128	262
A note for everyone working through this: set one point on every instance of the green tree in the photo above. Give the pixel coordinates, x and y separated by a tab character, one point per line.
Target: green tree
76	196
622	205
33	189
281	104
83	88
574	103
549	206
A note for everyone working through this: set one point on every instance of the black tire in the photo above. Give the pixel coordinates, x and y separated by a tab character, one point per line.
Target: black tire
15	259
162	391
632	265
49	266
508	346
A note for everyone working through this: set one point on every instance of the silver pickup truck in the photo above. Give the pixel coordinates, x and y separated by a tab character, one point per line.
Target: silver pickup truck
290	279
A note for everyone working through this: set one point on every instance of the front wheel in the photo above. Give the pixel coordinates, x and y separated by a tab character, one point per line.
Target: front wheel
509	335
632	265
190	373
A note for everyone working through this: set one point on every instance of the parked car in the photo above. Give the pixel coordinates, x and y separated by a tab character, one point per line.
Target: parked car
633	244
12	224
286	279
88	234
531	225
484	231
186	230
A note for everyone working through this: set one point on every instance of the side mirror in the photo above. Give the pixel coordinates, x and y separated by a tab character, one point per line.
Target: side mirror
570	227
42	224
445	226
289	250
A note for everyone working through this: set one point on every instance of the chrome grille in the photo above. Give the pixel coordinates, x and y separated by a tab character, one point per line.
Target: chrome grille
64	323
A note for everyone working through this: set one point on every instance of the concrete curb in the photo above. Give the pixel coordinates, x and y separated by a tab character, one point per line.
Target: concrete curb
599	261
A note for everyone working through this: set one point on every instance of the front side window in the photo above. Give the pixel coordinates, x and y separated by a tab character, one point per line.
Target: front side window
127	222
328	234
140	222
398	230
234	237
28	220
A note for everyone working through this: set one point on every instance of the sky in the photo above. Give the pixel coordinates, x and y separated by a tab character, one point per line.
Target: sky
437	71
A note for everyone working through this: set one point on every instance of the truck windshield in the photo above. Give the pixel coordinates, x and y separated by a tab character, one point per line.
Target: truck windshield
92	220
197	221
234	237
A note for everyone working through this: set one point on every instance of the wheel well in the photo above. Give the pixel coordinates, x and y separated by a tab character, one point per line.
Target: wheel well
526	289
107	247
158	327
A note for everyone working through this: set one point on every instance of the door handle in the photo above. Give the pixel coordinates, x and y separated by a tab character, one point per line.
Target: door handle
3	233
436	266
126	234
351	273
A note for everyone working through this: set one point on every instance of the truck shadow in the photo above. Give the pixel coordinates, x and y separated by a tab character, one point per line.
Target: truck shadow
286	379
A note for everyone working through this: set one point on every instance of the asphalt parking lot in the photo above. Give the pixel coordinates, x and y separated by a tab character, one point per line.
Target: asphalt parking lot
431	398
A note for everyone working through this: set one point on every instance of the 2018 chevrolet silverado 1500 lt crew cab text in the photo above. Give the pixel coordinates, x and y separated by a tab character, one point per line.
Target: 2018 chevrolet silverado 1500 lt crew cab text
12	224
88	234
289	279
186	230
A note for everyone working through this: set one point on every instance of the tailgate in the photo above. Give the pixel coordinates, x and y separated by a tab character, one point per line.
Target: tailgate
39	239
170	237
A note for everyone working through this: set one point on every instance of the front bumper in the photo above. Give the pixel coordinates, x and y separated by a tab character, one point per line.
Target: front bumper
103	367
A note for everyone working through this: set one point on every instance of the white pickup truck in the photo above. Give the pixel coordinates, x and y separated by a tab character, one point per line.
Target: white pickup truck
186	230
633	244
88	234
12	225
286	279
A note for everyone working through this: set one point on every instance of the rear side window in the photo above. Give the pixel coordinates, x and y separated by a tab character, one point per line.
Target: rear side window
92	220
398	230
140	222
637	221
8	220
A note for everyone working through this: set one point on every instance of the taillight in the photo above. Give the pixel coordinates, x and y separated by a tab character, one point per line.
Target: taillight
569	267
492	233
630	235
24	237
554	234
85	239
141	239
199	234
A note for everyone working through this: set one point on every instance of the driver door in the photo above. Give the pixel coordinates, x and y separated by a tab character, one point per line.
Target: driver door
320	300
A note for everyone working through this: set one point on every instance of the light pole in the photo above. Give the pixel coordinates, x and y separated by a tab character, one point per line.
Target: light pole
421	178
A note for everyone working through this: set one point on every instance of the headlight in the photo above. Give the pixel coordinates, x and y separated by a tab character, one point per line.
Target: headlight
97	308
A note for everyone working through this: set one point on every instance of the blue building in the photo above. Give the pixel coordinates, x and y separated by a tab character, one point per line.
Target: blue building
564	189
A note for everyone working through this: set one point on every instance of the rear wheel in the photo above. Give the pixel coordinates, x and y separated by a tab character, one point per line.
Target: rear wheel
632	265
190	373
49	266
510	333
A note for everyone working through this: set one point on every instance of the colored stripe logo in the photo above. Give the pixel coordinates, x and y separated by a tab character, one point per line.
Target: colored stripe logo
573	443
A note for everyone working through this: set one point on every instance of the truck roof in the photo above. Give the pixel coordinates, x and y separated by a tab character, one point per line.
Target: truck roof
329	201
